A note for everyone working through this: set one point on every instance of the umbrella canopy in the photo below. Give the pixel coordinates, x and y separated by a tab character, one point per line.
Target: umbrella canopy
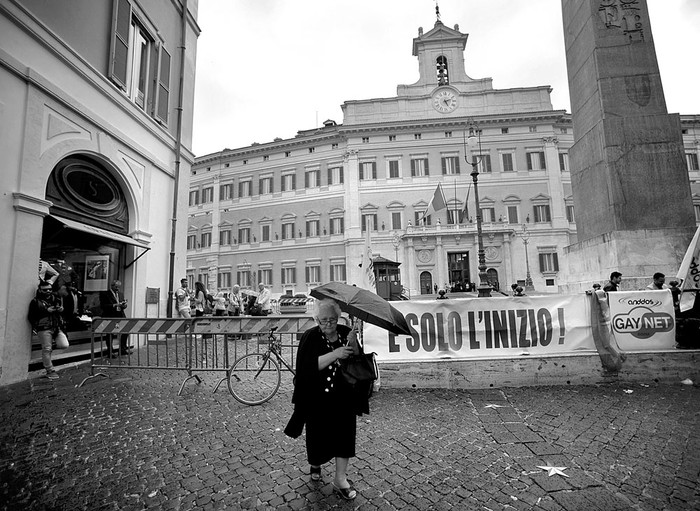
364	305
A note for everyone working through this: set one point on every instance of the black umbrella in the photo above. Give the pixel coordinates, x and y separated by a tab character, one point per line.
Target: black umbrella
364	305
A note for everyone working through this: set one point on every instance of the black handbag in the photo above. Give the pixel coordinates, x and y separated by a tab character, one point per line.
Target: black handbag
360	368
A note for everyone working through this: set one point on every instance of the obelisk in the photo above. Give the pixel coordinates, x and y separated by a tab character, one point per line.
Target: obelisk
632	198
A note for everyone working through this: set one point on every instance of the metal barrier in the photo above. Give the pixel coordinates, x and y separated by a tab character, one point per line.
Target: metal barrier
193	345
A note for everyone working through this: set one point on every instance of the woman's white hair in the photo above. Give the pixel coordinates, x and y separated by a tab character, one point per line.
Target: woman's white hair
326	304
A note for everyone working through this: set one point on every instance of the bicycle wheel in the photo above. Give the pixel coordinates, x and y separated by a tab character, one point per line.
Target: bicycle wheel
254	378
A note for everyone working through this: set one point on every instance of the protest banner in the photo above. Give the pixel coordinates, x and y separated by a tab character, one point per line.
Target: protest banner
643	320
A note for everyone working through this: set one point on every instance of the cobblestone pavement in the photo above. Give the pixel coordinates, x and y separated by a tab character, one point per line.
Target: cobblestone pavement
130	442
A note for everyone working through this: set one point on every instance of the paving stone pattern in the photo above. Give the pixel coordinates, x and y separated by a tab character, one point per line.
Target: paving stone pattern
130	442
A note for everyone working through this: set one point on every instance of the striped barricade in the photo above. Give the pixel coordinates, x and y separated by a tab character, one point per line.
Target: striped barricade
153	343
219	341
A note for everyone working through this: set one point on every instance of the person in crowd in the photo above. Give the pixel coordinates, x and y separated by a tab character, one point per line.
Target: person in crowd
264	299
182	300
73	307
323	401
235	301
219	303
658	282
676	294
513	287
614	283
113	305
200	298
596	287
45	317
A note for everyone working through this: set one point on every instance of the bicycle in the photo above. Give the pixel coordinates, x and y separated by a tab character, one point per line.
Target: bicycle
255	378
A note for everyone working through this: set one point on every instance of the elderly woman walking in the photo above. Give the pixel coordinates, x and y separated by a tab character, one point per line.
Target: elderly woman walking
323	401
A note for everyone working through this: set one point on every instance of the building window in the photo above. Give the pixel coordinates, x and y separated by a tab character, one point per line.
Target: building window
455	216
335	175
289	275
418	215
504	131
417	136
265	185
365	140
265	233
289	182
206	240
394	168
570	213
207	195
369	221
266	157
396	220
287	154
488	214
484	164
563	131
392	138
368	170
226	192
225	237
243	278
313	274
223	280
696	208
450	165
312	228
245	162
513	215
535	160
337	225
244	189
507	162
542	213
265	275
564	162
549	262
204	279
227	165
532	129
338	272
191	242
288	231
448	134
194	197
244	235
692	160
139	66
312	179
419	167
312	150
334	145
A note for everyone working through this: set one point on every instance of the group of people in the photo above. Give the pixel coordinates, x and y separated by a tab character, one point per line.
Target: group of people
235	303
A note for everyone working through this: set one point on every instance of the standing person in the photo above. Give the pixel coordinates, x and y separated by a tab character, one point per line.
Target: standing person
182	300
323	401
73	308
113	305
45	318
614	282
235	301
200	297
263	300
220	304
658	282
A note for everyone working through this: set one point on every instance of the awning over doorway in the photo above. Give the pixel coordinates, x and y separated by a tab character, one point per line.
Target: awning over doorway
78	226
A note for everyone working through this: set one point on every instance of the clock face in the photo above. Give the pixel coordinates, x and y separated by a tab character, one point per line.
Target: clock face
445	101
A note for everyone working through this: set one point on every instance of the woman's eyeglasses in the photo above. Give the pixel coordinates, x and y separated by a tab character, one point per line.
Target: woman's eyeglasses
331	321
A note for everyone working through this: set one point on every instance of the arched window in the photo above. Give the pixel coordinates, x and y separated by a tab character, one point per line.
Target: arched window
443	77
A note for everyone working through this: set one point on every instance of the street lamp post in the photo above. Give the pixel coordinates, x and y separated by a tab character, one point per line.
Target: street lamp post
473	142
525	235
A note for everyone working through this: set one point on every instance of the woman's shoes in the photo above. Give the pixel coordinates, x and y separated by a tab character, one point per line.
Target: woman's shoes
347	493
315	474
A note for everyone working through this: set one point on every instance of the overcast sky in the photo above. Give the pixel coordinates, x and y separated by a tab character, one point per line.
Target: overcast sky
269	68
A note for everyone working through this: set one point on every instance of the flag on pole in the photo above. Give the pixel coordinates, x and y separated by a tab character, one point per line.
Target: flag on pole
368	281
465	206
437	203
689	273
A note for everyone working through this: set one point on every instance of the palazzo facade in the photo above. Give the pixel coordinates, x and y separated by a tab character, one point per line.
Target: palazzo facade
295	213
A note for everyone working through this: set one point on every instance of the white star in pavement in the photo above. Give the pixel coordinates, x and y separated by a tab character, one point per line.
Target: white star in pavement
554	471
494	406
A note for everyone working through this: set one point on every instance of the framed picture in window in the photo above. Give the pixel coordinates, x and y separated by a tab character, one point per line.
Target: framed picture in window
96	273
